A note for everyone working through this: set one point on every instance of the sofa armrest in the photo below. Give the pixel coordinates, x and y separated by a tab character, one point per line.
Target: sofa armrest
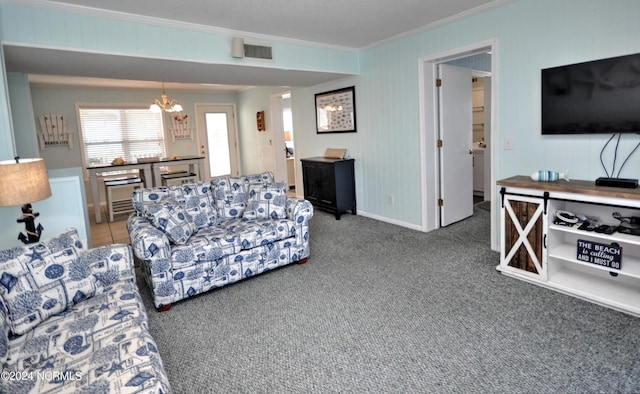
148	242
299	210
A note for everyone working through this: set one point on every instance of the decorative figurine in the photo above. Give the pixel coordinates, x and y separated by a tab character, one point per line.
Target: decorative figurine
549	176
28	218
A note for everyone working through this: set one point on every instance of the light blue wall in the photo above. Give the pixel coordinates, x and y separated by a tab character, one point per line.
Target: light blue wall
22	114
65	208
479	62
7	145
530	35
86	32
63	100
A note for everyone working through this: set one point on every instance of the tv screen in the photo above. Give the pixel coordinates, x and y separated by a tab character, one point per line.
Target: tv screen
601	96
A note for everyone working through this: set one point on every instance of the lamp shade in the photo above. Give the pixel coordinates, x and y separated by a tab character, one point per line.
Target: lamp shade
23	181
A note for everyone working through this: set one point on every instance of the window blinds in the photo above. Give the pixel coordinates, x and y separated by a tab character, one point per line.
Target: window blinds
130	133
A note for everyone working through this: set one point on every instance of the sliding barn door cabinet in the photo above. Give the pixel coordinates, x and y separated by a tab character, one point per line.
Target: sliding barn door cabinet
587	262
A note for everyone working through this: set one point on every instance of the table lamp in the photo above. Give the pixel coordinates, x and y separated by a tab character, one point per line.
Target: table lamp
23	181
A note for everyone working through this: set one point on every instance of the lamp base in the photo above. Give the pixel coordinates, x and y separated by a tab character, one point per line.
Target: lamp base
28	218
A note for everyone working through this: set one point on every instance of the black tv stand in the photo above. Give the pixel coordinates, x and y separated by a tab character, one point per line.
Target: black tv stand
626	183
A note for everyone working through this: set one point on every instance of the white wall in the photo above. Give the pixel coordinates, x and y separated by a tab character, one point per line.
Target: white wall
256	148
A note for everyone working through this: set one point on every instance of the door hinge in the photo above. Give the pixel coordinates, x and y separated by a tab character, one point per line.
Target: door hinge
440	202
438	82
439	143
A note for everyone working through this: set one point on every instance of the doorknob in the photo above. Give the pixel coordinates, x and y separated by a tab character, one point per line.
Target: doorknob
470	151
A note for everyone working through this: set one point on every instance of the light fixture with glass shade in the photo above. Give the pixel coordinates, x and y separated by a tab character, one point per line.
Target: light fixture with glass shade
23	181
165	105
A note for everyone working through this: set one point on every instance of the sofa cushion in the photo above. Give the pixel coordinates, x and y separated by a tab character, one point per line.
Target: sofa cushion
171	218
228	238
43	280
197	199
256	232
141	198
266	201
208	244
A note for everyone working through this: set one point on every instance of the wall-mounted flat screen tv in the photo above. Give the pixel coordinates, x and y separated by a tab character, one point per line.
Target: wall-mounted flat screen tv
601	96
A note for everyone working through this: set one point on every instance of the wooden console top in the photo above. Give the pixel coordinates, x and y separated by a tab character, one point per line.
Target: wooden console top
573	186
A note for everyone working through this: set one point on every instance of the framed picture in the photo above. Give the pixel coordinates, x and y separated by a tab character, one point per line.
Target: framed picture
336	111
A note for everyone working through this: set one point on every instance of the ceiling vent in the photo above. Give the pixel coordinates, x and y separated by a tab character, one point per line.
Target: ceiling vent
258	51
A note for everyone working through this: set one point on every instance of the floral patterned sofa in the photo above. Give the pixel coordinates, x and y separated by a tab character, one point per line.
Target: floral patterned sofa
196	237
73	321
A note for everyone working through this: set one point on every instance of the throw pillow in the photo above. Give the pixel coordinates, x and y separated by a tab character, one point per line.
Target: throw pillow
230	198
198	201
40	280
265	177
142	198
170	218
266	201
109	264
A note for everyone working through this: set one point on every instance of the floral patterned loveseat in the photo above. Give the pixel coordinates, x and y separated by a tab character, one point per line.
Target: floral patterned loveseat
196	237
73	321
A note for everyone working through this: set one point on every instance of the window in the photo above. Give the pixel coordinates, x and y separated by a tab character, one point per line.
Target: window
130	133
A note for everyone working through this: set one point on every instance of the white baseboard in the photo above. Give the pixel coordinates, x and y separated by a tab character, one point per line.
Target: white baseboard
391	221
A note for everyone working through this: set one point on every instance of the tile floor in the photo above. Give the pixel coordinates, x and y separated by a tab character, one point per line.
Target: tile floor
107	233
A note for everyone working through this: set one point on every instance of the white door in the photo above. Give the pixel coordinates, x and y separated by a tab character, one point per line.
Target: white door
277	125
456	156
218	139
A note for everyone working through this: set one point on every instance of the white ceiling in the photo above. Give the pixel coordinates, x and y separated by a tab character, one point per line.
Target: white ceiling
345	23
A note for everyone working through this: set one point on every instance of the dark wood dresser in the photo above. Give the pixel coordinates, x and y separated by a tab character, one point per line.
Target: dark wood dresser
329	184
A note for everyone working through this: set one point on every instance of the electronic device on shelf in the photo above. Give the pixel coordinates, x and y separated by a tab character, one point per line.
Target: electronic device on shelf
564	218
626	183
629	228
628	224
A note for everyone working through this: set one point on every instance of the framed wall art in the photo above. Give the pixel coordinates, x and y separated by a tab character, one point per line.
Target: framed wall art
336	111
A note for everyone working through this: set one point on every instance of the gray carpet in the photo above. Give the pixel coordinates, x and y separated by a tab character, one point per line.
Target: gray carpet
486	205
381	308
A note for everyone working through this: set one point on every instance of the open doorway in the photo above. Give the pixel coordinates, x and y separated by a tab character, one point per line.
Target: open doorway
480	66
287	121
481	134
283	136
430	131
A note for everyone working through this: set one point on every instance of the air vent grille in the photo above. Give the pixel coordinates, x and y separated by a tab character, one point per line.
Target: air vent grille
258	51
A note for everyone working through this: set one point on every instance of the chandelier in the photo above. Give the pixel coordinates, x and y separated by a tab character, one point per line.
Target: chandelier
166	104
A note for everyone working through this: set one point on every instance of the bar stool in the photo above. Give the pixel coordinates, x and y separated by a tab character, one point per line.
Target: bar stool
181	177
120	206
